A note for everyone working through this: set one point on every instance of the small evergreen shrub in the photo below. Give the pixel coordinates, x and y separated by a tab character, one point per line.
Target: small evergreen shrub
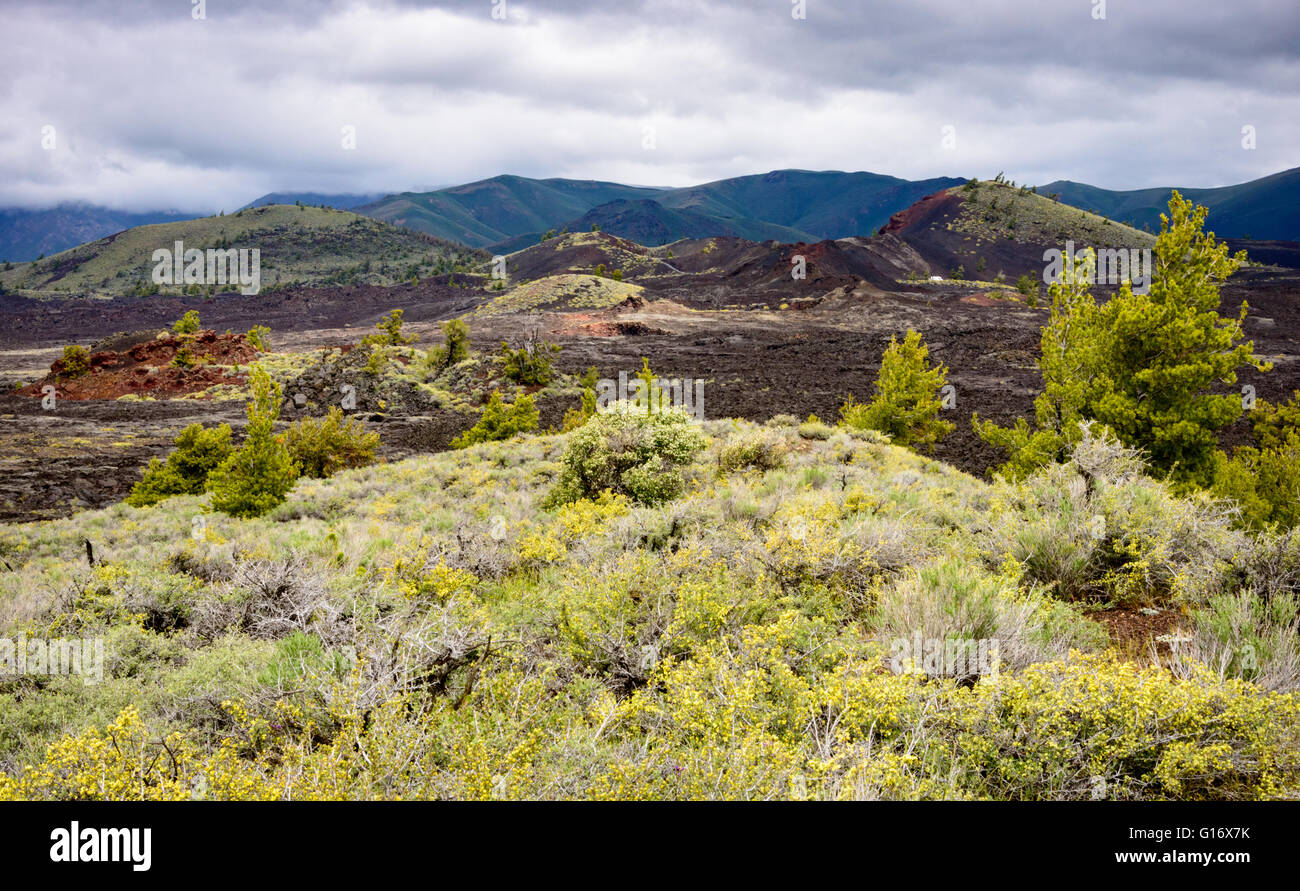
576	417
500	421
258	337
256	478
186	357
188	323
454	351
531	365
76	361
1265	481
391	334
199	451
906	405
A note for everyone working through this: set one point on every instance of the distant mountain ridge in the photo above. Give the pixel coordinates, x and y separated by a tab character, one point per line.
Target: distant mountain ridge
512	212
28	234
507	213
343	201
1264	209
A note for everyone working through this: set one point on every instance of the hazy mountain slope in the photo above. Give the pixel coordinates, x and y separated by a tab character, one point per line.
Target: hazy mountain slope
650	223
1267	208
28	234
492	210
787	205
824	204
341	201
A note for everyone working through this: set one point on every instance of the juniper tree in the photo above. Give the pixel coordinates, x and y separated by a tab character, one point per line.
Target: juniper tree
1068	365
1143	365
1164	350
906	404
256	477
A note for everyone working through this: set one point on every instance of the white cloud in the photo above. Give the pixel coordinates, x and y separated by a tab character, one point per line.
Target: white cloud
155	110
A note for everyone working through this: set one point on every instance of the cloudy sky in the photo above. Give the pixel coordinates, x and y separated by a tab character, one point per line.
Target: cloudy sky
149	105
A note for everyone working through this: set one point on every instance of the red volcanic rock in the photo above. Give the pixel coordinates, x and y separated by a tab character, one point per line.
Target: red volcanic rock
146	369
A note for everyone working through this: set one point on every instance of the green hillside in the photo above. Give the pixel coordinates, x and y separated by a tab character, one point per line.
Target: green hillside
307	245
511	212
493	210
994	210
825	204
652	224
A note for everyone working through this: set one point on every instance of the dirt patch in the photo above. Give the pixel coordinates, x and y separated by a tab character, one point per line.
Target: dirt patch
1138	633
613	329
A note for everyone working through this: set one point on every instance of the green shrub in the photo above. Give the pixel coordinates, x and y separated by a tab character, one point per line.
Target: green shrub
76	361
301	657
188	323
814	428
391	334
906	405
576	417
1274	423
1243	635
1096	528
628	452
455	350
258	337
500	421
199	451
1097	727
376	359
323	447
456	333
257	477
760	451
972	613
1265	481
186	357
531	364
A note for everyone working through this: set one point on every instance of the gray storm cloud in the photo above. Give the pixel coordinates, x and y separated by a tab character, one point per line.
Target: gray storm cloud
151	108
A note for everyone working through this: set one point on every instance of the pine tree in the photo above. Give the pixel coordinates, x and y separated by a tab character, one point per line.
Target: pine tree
1165	349
1142	364
1069	366
906	404
261	472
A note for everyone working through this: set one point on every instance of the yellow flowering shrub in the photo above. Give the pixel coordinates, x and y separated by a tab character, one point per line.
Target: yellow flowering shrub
573	521
442	633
